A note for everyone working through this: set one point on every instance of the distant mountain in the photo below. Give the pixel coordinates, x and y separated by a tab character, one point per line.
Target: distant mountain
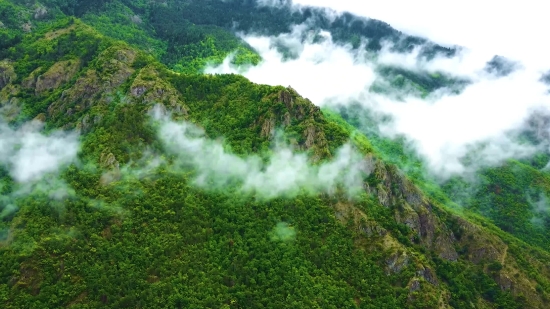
195	191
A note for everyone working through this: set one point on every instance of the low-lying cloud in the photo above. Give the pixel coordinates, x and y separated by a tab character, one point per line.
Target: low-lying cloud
320	70
540	208
506	29
33	160
284	173
444	126
28	154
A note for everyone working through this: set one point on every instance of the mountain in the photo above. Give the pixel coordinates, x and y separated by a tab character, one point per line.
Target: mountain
131	179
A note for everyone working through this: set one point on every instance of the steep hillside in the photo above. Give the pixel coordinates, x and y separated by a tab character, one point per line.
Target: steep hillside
512	195
177	196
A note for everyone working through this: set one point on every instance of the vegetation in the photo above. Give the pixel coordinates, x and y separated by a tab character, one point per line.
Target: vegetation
125	226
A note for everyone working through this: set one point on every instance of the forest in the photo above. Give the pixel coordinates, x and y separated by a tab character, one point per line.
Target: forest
129	221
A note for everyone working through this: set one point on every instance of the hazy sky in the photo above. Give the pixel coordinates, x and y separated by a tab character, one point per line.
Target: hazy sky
515	29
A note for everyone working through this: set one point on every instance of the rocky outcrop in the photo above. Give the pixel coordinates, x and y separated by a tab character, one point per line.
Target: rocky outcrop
60	73
149	88
7	73
87	122
428	274
395	190
30	81
366	227
96	87
310	136
8	93
476	243
480	246
109	162
286	98
414	285
40	118
10	105
504	282
397	262
268	127
309	117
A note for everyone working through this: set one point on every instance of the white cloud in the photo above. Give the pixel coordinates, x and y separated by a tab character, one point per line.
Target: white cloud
321	71
273	2
285	174
29	155
508	28
443	127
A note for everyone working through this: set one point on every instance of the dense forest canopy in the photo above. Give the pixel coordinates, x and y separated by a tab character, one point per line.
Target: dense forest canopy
130	179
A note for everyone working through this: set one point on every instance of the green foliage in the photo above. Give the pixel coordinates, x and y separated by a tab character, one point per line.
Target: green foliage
129	233
120	22
408	82
513	196
180	246
10	15
395	151
467	284
195	57
77	41
122	133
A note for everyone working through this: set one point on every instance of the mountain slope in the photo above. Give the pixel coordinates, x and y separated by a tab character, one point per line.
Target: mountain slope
134	226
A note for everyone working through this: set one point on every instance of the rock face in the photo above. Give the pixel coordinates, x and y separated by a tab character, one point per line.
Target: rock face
109	162
300	110
148	88
396	262
478	245
30	81
268	127
10	105
60	73
95	87
428	275
7	73
413	210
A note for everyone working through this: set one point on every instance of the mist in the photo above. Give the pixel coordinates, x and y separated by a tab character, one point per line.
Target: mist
443	126
540	208
505	29
283	232
320	71
33	160
284	173
29	155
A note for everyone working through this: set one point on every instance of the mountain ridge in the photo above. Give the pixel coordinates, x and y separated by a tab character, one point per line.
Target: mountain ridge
424	254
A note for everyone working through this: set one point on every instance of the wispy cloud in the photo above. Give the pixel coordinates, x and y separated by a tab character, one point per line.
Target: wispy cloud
33	160
28	154
284	173
503	28
444	126
320	70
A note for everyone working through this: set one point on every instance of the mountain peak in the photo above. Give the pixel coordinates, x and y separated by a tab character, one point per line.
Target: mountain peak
158	185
